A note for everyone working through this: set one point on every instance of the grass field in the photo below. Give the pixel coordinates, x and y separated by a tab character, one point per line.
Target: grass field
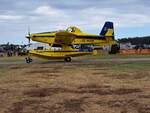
77	87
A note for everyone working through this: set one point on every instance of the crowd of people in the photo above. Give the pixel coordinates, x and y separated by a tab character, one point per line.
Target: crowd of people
12	50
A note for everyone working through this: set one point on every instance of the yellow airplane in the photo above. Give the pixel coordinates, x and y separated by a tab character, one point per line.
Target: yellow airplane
69	37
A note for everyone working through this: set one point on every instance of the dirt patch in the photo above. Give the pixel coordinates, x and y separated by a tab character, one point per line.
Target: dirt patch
99	73
97	69
46	67
123	91
101	65
107	90
116	103
3	91
44	74
126	105
27	106
144	108
74	105
15	81
137	75
70	67
3	67
42	92
51	75
42	71
71	106
93	88
144	96
140	75
16	67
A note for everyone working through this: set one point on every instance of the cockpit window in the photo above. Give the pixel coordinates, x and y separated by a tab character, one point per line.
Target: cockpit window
71	29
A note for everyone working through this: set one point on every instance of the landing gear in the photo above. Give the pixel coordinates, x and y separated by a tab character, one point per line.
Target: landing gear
67	59
28	60
114	49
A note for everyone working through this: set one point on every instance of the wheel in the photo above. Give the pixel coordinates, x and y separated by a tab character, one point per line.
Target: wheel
67	59
114	49
28	60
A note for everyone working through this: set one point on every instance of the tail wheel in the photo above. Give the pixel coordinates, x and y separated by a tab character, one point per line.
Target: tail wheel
114	49
67	59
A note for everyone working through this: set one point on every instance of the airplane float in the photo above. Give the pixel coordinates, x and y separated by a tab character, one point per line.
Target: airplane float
67	38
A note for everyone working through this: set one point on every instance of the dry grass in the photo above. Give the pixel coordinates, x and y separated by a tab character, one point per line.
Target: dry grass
95	87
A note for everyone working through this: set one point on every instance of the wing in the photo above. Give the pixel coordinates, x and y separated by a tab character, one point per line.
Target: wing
71	38
64	38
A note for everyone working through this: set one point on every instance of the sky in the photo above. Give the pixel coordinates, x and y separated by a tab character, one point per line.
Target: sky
130	17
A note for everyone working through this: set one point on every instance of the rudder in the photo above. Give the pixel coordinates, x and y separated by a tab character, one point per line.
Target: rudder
108	30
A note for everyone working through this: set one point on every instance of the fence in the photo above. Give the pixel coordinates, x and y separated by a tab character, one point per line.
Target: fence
135	51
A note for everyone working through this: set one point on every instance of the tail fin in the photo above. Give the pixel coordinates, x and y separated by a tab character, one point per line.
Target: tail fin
108	30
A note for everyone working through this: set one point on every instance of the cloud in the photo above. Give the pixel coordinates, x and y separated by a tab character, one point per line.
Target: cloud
89	15
48	11
88	18
96	16
126	13
10	17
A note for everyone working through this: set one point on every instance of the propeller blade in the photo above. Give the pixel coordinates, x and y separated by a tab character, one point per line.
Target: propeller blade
28	36
29	41
29	30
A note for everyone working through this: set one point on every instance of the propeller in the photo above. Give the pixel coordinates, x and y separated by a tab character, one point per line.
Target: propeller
28	59
29	36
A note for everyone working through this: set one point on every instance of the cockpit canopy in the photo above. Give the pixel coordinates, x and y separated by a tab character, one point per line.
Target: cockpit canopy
73	29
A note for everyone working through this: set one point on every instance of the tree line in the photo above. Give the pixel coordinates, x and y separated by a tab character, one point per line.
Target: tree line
136	40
